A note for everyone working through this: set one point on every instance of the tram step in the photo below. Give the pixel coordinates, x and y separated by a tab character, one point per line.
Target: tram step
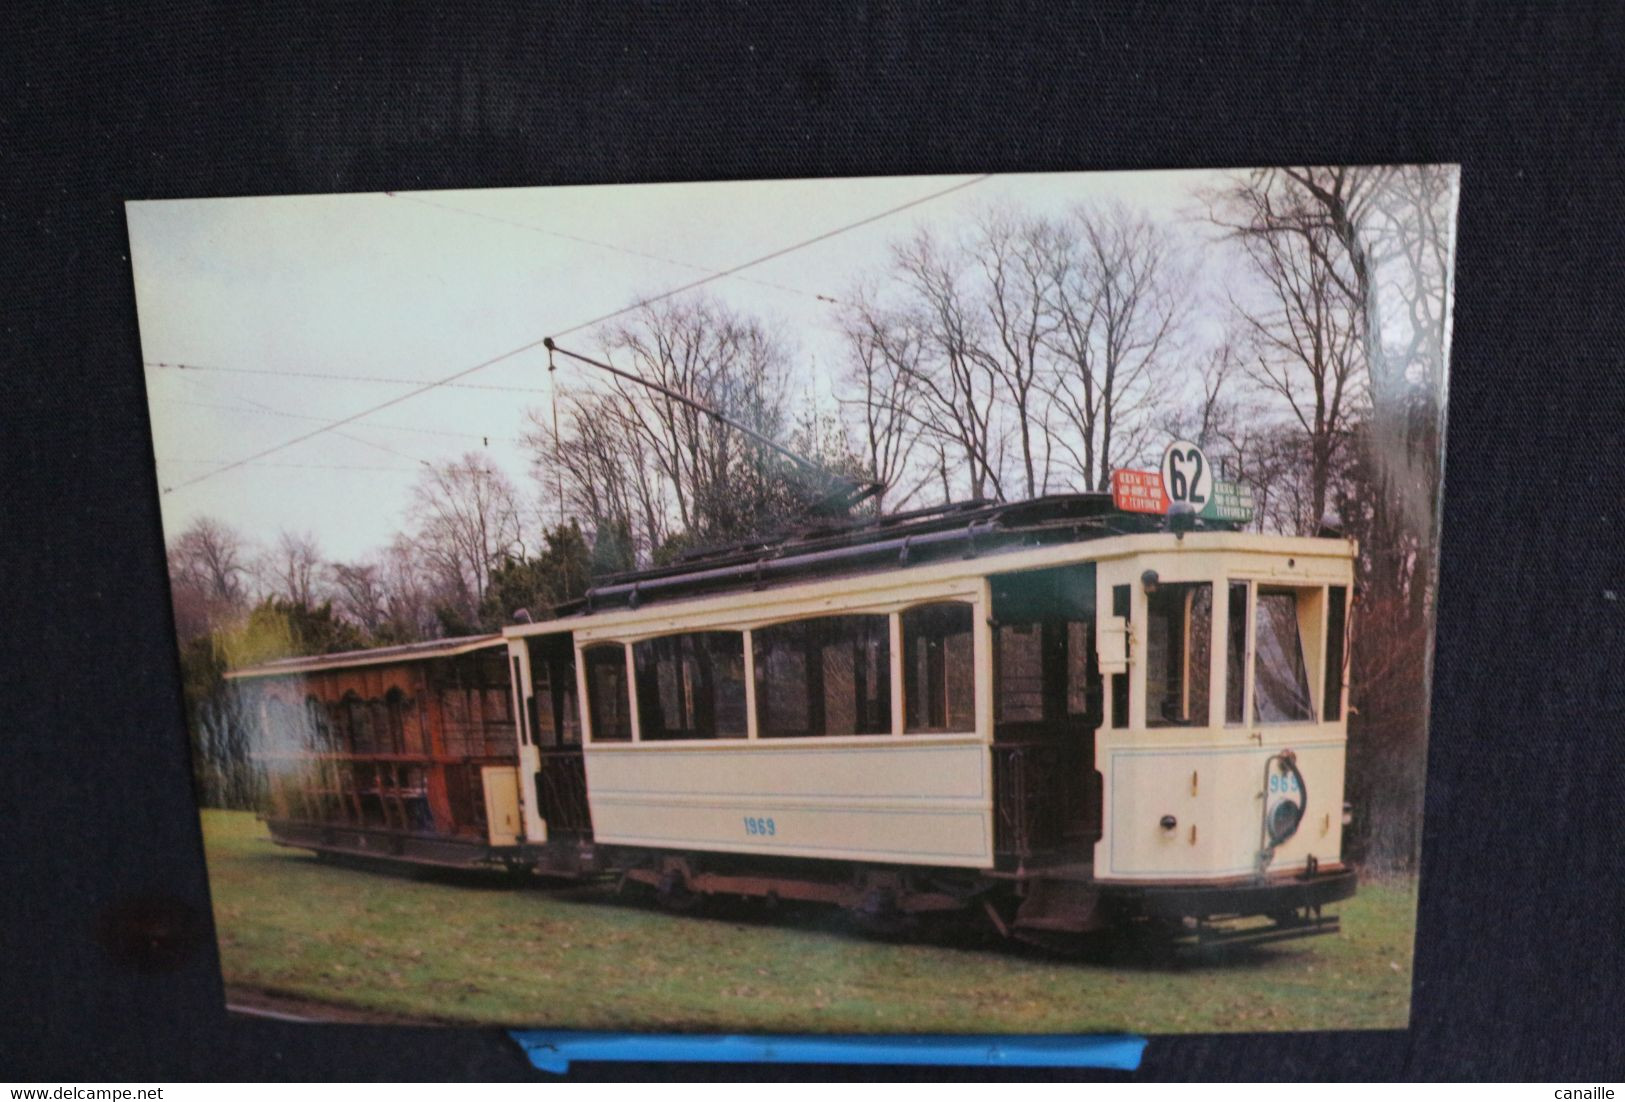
1060	906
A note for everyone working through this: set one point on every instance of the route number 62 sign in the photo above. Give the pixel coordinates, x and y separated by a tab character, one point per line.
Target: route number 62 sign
1186	475
1186	479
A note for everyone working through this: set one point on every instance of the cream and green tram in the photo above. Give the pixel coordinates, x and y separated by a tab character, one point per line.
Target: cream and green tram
1056	714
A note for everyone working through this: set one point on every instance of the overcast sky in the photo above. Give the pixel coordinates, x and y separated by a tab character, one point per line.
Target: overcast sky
269	291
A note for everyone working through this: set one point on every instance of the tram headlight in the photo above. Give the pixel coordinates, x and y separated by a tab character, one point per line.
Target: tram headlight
1284	821
1148	581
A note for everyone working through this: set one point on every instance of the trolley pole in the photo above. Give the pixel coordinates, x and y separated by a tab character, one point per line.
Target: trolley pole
861	491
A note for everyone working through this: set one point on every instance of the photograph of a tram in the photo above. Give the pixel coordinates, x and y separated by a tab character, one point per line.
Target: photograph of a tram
976	604
902	716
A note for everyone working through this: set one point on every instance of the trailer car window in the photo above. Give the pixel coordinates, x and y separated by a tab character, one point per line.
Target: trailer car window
394	720
938	668
320	738
359	722
691	686
830	675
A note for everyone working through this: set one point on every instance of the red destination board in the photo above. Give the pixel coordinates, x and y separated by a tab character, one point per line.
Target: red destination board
1139	491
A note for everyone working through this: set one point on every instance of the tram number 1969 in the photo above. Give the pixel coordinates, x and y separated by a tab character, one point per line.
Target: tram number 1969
764	827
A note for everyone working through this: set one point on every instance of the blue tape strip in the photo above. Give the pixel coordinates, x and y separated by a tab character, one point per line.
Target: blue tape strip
552	1050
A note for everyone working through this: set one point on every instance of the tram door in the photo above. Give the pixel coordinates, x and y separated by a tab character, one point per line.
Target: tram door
1047	705
555	720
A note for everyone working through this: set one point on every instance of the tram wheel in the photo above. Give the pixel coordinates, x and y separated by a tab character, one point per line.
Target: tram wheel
672	894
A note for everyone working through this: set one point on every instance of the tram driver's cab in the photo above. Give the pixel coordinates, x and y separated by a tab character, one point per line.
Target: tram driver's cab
1222	741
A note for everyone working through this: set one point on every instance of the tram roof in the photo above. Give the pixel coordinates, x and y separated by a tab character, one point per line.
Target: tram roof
374	656
866	545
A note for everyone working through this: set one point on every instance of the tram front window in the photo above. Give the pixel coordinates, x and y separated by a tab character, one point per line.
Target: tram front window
1179	634
1280	674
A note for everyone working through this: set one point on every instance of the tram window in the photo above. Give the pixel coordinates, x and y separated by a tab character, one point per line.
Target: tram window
1020	693
830	675
1280	675
606	693
359	723
1082	671
1179	629
1046	671
938	668
1122	605
543	721
496	719
1119	700
1235	655
316	730
691	686
527	716
783	689
282	726
414	736
1336	625
338	726
553	715
378	716
394	720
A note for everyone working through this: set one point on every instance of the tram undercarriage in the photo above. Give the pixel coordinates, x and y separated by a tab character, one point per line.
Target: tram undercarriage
1052	909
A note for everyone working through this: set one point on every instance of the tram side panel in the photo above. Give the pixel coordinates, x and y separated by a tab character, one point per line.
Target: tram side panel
896	800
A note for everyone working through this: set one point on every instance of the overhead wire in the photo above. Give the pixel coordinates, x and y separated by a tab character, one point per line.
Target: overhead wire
300	466
600	244
588	324
337	377
262	408
313	417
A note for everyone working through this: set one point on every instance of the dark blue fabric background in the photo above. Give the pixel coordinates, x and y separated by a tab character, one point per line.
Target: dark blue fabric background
1521	961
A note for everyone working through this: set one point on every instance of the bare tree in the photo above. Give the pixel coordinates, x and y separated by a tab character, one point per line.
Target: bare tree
212	556
291	569
628	457
1021	262
884	363
956	382
359	595
1221	418
1305	330
724	360
408	600
595	468
1383	237
1118	300
466	517
209	575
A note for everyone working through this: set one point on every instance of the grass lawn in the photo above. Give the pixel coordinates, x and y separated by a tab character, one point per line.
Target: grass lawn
470	950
